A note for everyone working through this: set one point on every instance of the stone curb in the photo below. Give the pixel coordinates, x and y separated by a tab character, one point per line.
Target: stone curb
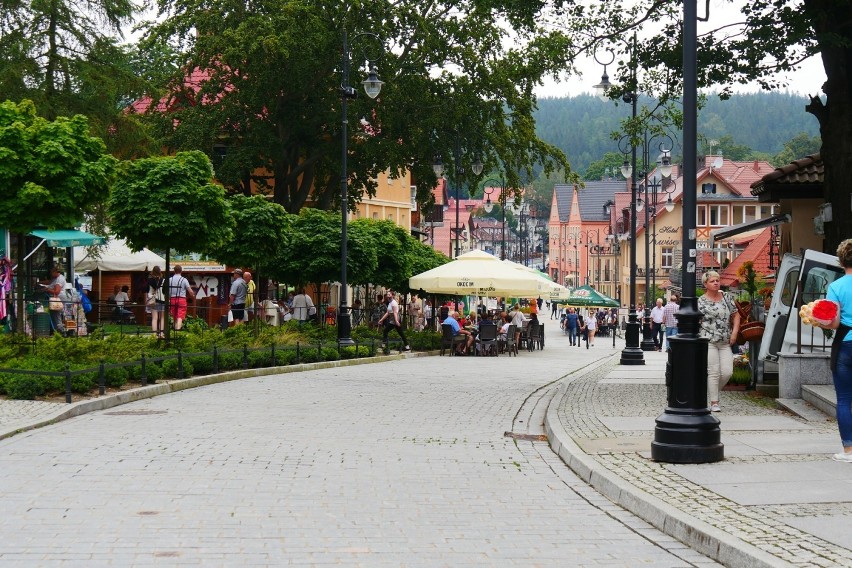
65	411
698	535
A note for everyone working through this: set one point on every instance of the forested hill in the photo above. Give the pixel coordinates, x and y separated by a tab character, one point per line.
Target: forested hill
581	126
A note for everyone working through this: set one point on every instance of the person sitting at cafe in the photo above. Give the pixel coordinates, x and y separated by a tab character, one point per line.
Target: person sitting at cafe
504	332
473	319
458	331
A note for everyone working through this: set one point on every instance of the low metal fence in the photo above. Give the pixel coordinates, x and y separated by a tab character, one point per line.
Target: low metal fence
221	359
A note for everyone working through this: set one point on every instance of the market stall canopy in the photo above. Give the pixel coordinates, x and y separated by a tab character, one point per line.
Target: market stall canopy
584	296
481	274
68	238
117	257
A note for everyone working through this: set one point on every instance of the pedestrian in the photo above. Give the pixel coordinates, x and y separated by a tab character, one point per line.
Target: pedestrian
303	306
156	301
840	291
414	313
554	307
572	326
657	316
179	293
251	287
237	297
669	318
390	320
591	328
718	311
54	286
429	314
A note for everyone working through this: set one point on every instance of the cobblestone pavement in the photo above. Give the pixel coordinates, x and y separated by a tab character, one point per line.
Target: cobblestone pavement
586	403
21	413
417	462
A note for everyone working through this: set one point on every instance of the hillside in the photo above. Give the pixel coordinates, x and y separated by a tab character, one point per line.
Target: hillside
582	126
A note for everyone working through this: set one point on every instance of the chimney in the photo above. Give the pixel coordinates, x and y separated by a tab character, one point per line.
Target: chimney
702	162
756	166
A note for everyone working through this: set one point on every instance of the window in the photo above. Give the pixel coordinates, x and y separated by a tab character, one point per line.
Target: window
375	215
718	215
701	216
668	257
390	216
767	211
744	214
414	198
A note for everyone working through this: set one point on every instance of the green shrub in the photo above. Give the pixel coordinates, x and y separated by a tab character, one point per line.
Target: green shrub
23	387
351	353
310	355
153	371
330	354
259	359
170	368
83	383
741	376
285	357
116	377
201	364
230	361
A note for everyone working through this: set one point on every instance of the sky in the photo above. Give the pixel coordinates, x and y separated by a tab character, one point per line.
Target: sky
806	81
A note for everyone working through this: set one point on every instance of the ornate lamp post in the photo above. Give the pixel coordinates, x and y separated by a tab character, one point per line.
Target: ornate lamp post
593	238
575	239
631	354
665	171
372	86
489	206
686	432
476	168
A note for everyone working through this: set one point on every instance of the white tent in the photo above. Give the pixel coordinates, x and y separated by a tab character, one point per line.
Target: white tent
116	256
479	273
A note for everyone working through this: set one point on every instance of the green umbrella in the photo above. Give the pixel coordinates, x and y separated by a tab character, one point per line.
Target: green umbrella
585	296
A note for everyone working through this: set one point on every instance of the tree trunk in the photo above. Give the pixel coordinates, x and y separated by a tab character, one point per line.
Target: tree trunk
829	19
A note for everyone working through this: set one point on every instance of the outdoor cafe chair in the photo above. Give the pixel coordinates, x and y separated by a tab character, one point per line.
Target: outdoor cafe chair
511	344
486	341
533	336
450	339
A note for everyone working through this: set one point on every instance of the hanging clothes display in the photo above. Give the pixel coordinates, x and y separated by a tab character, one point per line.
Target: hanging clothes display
5	287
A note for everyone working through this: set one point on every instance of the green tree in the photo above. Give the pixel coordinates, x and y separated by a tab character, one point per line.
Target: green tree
770	37
269	76
261	229
51	173
797	148
170	203
607	167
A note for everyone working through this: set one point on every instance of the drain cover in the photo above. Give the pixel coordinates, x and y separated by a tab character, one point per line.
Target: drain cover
135	412
526	437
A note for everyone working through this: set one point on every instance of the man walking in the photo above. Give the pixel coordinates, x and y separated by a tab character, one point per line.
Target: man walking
237	297
391	320
657	324
669	318
572	325
179	291
554	308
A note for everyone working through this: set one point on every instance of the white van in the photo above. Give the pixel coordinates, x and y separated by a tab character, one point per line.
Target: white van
815	270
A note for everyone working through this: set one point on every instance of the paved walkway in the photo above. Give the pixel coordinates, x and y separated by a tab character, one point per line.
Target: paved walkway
777	498
418	461
421	462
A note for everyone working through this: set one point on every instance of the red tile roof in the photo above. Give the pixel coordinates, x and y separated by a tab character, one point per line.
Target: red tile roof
757	252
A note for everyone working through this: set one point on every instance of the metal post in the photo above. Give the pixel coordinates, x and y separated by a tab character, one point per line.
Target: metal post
632	354
647	335
344	321
686	432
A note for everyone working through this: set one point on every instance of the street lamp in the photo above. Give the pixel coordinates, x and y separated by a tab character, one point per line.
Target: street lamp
665	169
655	186
686	432
372	86
597	243
575	239
489	206
438	168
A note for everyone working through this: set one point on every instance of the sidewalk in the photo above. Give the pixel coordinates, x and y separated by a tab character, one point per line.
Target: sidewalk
777	499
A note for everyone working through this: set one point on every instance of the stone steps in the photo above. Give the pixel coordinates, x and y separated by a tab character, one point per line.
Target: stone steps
822	397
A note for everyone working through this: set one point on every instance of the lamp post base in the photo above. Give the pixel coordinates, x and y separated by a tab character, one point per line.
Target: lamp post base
631	354
647	334
344	328
686	432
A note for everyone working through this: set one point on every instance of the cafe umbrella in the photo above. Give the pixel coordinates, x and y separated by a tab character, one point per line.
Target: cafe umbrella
481	274
584	296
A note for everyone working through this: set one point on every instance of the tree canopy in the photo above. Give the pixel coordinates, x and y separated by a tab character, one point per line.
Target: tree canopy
170	203
260	230
51	172
269	73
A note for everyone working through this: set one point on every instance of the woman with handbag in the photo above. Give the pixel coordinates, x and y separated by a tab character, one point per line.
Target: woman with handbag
720	323
156	301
